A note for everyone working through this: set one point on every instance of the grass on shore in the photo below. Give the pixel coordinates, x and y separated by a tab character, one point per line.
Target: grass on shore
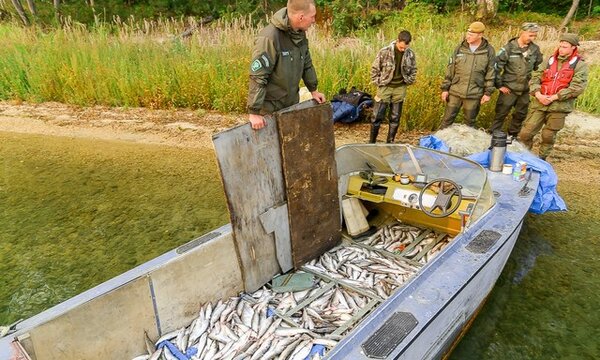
139	63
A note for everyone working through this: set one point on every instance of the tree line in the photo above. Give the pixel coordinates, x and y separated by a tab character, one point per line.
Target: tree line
345	16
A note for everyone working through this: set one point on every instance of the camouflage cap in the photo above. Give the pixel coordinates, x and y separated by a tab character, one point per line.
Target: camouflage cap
530	26
476	27
572	39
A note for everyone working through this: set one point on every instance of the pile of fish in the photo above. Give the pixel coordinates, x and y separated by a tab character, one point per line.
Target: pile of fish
304	324
362	268
326	308
408	241
243	327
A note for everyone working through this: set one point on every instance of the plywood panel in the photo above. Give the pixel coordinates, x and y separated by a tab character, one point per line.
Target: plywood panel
107	327
250	165
307	151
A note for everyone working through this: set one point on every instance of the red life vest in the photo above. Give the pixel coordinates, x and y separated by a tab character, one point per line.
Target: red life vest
555	79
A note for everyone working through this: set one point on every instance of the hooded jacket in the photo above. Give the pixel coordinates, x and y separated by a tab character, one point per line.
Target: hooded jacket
470	75
281	58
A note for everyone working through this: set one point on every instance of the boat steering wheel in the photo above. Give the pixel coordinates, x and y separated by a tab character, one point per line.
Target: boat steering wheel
443	198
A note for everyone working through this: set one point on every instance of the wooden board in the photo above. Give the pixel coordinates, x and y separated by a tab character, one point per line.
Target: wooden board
250	165
308	158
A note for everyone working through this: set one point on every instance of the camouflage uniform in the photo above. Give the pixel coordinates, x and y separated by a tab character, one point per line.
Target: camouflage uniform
281	58
513	70
551	118
391	90
469	76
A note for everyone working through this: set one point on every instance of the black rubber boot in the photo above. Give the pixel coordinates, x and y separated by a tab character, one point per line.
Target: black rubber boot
374	132
394	121
379	110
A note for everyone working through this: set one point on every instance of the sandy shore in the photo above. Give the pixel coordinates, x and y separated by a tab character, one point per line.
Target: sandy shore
579	142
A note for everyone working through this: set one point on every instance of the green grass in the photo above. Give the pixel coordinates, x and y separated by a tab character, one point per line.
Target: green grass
140	63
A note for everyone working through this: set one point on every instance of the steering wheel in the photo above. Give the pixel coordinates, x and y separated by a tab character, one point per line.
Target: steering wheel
443	198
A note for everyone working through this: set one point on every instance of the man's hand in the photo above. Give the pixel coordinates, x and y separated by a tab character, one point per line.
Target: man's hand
257	121
444	96
504	90
545	99
484	99
319	97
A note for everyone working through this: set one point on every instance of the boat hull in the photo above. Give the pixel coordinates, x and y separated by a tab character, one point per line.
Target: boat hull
442	298
450	290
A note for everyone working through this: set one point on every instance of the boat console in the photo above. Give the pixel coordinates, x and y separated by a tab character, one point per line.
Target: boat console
419	186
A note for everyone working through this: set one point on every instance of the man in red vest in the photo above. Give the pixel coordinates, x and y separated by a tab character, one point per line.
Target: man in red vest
555	86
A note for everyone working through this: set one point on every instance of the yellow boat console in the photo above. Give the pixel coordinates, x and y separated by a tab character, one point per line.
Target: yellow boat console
411	202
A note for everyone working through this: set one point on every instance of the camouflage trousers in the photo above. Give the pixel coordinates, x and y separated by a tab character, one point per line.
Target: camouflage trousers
470	110
549	122
503	106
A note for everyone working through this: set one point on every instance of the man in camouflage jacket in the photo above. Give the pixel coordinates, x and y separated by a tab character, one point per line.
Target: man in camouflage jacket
555	87
514	64
394	68
281	58
469	80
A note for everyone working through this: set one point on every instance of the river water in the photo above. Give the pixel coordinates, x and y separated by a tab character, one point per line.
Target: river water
77	212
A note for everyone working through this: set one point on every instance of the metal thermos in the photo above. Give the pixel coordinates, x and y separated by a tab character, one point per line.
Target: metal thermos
498	150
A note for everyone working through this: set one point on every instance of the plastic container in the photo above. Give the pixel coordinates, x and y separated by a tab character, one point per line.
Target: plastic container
519	171
507	169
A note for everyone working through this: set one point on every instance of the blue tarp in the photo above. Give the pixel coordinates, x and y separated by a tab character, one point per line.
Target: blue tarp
316	349
346	112
433	142
546	197
175	351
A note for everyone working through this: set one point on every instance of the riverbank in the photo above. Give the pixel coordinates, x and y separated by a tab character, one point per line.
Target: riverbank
578	142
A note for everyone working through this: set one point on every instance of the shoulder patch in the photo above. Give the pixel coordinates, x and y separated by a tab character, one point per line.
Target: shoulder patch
262	62
256	65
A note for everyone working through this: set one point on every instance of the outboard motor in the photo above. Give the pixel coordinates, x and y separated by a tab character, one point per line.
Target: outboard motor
497	150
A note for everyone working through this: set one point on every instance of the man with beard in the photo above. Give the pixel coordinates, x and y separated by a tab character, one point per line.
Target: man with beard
555	87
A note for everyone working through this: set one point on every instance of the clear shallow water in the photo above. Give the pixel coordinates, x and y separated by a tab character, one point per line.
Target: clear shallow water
546	304
75	212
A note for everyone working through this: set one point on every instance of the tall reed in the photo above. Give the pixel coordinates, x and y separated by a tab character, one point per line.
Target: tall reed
132	63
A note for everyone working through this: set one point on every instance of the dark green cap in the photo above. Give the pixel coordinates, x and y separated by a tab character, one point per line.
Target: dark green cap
530	26
572	39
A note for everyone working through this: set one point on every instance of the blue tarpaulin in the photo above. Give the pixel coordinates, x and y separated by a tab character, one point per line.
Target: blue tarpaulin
546	197
316	349
432	142
175	351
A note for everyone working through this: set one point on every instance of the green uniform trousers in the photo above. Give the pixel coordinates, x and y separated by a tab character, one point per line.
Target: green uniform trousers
549	122
470	110
504	105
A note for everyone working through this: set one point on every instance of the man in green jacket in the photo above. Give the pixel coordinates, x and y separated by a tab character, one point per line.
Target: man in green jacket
393	69
280	59
555	87
514	64
469	80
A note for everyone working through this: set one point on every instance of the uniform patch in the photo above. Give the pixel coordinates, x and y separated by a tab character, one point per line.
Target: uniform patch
265	60
256	65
